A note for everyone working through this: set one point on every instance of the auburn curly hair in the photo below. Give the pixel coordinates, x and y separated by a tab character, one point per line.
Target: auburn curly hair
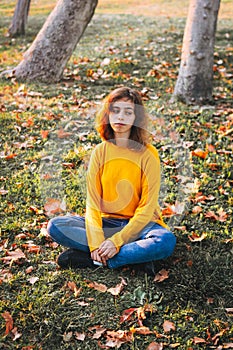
139	134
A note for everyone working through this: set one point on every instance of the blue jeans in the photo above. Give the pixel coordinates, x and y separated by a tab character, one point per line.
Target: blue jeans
154	241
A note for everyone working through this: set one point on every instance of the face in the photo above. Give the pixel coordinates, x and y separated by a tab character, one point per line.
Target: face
121	116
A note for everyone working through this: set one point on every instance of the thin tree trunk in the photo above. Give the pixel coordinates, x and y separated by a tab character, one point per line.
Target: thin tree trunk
46	58
195	80
19	19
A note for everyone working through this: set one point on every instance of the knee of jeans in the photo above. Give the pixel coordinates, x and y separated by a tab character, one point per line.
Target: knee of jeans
52	228
169	242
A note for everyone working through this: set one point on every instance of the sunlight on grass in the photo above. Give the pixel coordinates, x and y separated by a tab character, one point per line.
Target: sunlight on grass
172	8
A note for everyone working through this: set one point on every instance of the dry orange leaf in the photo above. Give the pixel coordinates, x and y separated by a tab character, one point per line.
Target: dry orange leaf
54	206
168	326
9	321
44	134
73	287
161	276
98	286
141	330
196	238
200	153
63	134
14	256
197	209
119	287
198	340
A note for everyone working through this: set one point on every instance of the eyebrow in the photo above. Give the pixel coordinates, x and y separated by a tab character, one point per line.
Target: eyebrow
131	108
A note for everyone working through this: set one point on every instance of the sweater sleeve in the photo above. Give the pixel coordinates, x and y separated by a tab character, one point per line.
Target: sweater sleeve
148	204
95	234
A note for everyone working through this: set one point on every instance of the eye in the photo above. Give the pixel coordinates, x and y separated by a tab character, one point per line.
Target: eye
129	113
115	110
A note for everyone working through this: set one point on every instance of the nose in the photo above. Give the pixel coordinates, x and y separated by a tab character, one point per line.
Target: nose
121	115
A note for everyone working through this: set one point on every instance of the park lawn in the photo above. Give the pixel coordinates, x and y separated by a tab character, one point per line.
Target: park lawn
46	128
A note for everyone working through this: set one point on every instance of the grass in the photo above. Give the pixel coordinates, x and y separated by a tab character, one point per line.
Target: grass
197	296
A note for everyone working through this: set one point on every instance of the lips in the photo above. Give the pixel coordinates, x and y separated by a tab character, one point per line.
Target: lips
119	124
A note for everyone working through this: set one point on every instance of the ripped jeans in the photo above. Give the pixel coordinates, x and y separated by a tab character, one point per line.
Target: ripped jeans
154	241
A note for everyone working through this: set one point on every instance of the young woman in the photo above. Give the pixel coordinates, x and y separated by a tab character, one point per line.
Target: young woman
123	223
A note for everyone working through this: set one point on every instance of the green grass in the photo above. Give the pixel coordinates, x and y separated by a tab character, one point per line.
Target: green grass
198	292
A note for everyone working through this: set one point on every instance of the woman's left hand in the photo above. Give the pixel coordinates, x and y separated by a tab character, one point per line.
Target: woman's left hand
107	250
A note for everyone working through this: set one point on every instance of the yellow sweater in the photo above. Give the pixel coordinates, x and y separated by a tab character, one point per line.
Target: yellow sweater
122	183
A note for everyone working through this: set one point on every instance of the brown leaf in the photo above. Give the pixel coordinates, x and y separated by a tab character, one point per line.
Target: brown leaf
3	192
63	134
126	315
227	345
67	336
155	346
15	333
73	287
141	330
119	287
9	321
33	280
222	215
197	209
99	331
98	286
14	256
198	340
161	276
80	336
196	238
54	206
200	153
168	326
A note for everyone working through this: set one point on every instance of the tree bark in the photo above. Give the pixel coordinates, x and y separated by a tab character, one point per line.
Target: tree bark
195	80
19	19
46	58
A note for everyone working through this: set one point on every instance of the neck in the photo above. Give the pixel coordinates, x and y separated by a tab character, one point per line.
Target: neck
122	142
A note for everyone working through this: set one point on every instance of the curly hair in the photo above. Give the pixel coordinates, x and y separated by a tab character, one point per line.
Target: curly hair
138	134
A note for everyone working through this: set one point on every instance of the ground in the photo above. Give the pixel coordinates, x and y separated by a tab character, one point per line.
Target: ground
47	134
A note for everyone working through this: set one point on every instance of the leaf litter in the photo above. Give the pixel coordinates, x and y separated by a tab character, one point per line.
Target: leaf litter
105	313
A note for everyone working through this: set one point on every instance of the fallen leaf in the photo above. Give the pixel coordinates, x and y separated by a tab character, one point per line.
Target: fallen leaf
29	269
80	336
67	336
54	206
98	286
200	153
126	315
119	287
13	256
197	209
63	134
198	340
196	238
168	326
3	192
73	287
99	331
155	346
16	334
33	280
229	310
44	134
161	276
141	330
9	321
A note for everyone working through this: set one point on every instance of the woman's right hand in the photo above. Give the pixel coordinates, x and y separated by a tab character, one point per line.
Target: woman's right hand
96	257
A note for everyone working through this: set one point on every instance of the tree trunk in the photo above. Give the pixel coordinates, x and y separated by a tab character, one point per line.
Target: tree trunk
46	58
19	19
195	80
